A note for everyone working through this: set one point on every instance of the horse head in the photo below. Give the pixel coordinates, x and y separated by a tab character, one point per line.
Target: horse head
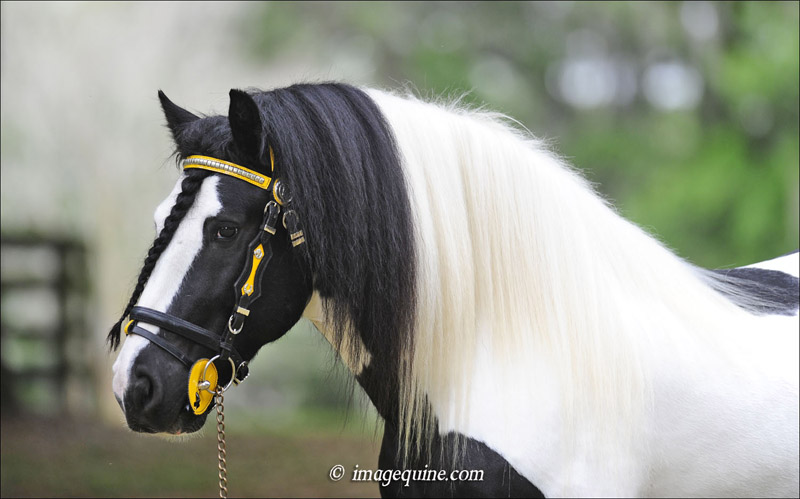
212	255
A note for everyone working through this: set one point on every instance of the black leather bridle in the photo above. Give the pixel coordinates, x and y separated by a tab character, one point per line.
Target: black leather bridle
247	287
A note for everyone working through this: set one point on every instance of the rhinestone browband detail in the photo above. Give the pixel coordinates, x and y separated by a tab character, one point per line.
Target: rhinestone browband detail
223	166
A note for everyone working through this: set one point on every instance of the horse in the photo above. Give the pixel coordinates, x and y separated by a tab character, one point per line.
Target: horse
497	311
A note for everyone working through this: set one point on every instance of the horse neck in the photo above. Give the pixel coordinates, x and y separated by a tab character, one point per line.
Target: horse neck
509	234
520	257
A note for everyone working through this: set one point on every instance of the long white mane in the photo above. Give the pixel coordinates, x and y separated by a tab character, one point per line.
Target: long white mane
523	267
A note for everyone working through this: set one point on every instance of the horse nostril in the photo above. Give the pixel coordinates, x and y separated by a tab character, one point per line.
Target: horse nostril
143	389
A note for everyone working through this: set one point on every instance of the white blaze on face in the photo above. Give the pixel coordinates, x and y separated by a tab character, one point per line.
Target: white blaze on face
172	266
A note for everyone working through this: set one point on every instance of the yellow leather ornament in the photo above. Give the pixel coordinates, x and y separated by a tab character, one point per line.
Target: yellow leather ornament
202	385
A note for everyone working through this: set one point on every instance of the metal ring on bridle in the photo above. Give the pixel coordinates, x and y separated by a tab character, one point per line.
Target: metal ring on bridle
234	370
230	326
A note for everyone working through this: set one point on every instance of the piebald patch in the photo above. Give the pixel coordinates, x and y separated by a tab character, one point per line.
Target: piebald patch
169	272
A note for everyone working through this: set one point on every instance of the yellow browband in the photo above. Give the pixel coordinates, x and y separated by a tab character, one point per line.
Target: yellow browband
232	169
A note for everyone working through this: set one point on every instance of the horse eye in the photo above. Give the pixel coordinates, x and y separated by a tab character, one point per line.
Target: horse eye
227	232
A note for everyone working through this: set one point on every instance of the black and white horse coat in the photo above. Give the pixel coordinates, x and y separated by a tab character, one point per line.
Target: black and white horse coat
498	313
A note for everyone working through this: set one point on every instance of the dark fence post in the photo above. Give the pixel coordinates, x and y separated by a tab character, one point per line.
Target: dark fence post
44	332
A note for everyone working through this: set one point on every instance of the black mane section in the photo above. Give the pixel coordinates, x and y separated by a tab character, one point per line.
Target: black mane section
339	157
779	291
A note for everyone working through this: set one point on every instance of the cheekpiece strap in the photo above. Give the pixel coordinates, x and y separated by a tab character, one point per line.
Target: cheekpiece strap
247	287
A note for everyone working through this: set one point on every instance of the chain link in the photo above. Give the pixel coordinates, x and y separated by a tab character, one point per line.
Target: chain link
221	454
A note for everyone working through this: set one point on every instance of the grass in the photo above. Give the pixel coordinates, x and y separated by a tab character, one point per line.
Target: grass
45	457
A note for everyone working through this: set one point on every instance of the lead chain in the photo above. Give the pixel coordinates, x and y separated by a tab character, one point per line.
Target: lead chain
223	465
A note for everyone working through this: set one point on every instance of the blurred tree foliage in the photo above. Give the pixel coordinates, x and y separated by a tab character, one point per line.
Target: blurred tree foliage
684	114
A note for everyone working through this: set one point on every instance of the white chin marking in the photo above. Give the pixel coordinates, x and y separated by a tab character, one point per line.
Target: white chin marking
169	272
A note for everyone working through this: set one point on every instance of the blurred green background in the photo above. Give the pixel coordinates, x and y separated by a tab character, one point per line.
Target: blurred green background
684	114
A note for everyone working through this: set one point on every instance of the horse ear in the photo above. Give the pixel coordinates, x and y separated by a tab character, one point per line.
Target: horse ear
245	121
176	115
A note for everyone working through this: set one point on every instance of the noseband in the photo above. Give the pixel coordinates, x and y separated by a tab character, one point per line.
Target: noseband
247	288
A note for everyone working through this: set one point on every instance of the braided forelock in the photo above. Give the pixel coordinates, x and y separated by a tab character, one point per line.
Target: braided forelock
189	189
